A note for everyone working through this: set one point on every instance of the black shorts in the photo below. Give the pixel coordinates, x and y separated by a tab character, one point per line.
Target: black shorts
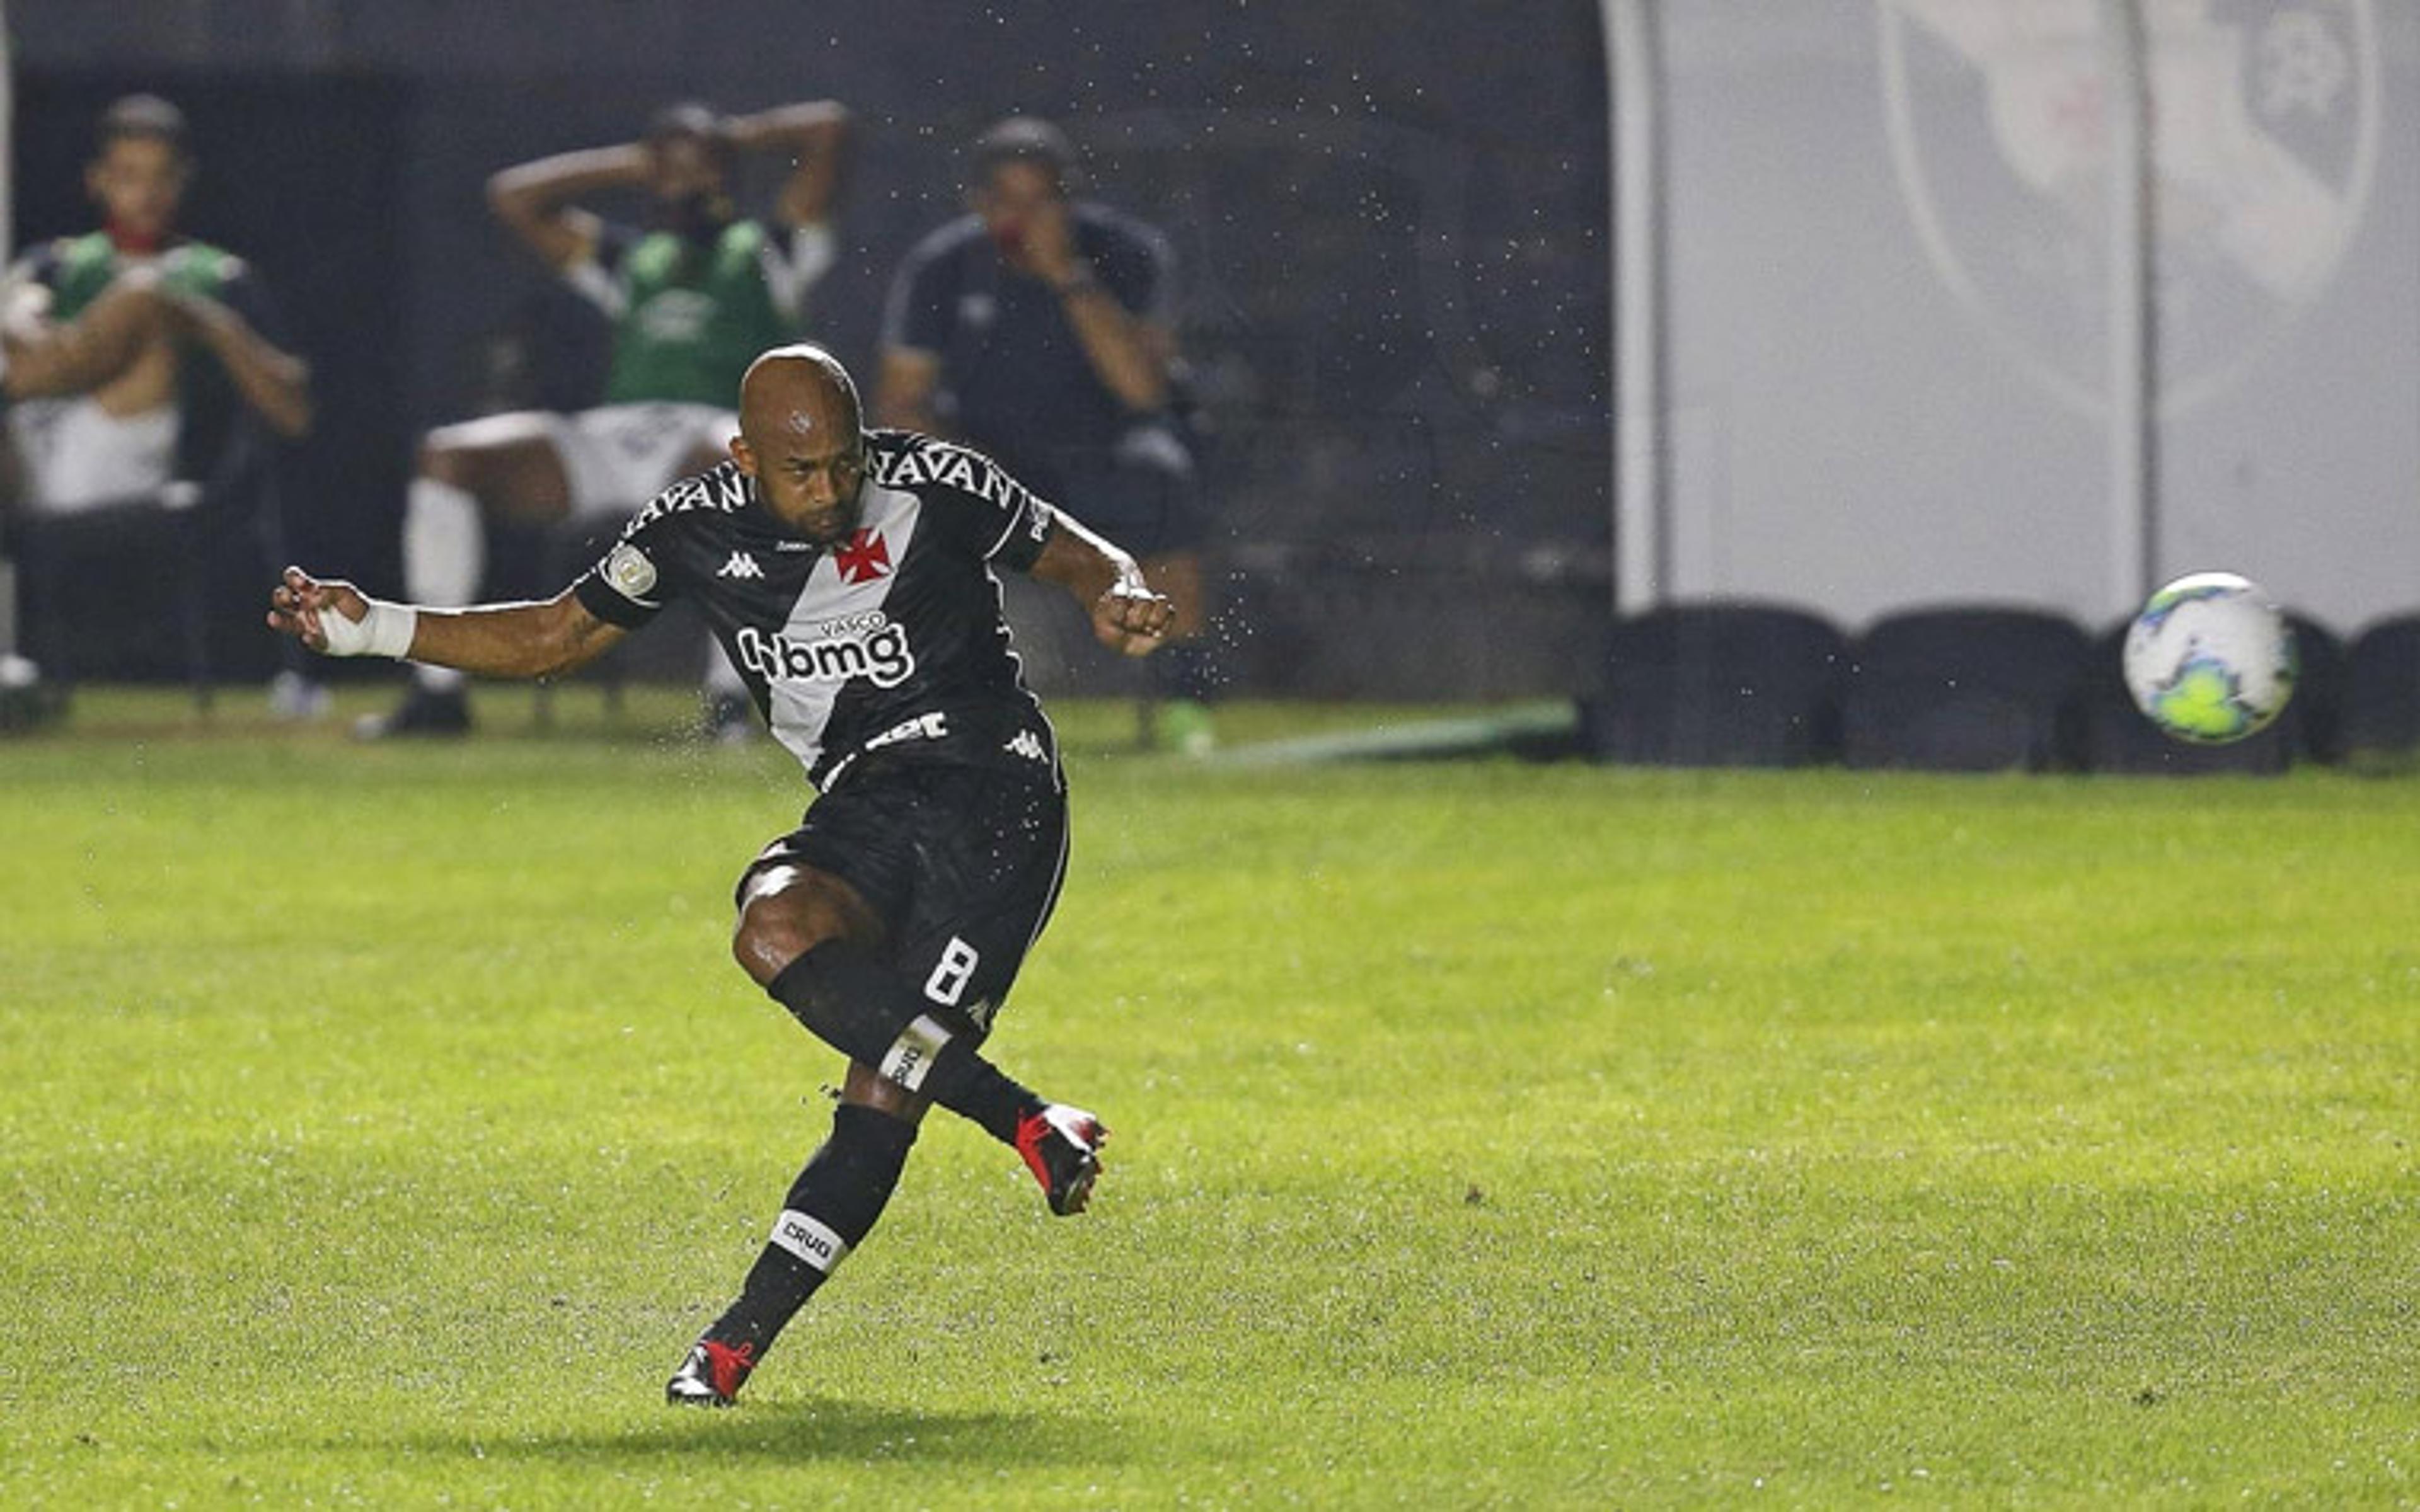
962	865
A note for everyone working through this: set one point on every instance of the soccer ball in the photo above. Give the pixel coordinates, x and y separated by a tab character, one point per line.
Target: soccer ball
2211	658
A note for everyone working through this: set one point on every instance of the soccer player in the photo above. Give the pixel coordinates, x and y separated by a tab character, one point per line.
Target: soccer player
893	919
692	297
1039	327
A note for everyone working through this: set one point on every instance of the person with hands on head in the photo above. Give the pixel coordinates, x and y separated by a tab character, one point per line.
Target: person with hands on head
892	922
693	297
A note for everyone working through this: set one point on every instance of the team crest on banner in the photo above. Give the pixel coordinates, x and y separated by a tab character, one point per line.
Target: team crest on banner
2265	133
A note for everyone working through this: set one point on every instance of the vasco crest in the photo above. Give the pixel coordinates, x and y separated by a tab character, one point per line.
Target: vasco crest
2265	117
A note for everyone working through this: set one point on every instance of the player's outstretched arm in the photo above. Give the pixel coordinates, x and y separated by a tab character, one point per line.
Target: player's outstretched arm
532	639
1126	615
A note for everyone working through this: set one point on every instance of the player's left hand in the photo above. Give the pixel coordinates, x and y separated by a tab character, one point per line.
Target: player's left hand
1131	619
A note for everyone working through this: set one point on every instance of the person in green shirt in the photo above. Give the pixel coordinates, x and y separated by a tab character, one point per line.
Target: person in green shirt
127	354
108	337
693	297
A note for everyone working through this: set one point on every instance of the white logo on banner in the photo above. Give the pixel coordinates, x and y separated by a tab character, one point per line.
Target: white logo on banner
2265	141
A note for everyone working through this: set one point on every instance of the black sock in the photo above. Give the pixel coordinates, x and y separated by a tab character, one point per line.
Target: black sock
971	1087
830	1208
853	1002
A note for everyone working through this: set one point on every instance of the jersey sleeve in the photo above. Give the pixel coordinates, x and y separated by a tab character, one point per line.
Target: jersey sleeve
633	580
1008	522
968	496
1025	529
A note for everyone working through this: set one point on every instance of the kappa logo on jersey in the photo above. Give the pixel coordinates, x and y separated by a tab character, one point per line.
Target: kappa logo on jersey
1027	744
868	646
740	565
865	558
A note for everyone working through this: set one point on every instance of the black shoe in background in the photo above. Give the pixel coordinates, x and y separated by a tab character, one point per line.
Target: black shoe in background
425	713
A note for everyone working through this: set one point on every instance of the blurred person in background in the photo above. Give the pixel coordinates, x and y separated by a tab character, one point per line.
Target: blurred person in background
123	350
1039	329
693	296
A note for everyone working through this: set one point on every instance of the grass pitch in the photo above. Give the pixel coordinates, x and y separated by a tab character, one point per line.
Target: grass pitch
380	1124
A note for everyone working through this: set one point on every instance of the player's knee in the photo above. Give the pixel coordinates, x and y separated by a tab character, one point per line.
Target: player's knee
785	914
768	937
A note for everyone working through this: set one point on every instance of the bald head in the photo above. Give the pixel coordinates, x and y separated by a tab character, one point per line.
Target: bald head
798	391
802	439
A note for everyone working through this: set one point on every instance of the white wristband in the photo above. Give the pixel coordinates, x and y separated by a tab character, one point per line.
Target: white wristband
385	630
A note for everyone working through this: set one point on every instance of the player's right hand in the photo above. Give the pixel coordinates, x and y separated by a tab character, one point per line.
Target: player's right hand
1132	620
299	604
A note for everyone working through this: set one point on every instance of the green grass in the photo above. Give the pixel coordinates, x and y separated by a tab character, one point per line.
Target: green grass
379	1124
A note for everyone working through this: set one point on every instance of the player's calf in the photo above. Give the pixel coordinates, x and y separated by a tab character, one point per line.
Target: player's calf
833	1205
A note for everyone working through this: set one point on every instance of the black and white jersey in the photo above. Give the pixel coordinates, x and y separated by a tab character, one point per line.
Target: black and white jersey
893	641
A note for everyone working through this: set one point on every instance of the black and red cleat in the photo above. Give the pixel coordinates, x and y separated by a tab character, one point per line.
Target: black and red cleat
712	1374
1062	1145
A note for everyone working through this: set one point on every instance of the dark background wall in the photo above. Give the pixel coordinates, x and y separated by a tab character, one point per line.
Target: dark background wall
1390	227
